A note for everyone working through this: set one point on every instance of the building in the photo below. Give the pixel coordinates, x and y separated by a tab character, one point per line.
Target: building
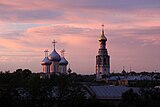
54	63
117	80
108	92
102	59
128	80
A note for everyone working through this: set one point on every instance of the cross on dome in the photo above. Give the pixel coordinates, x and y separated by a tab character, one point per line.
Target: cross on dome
46	52
54	43
62	52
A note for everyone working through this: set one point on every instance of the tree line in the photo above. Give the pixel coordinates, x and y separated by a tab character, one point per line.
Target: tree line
22	88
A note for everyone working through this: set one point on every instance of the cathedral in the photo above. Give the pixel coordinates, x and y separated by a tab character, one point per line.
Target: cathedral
102	59
54	63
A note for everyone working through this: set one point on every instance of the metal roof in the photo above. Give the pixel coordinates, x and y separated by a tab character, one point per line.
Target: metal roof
109	92
63	61
46	61
131	78
54	56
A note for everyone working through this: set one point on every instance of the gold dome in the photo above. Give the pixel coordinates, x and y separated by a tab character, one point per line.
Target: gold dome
102	37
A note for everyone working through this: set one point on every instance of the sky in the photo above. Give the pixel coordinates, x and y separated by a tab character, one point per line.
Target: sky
132	28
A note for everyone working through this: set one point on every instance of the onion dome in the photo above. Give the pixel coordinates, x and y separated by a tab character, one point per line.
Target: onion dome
46	61
54	56
63	61
102	37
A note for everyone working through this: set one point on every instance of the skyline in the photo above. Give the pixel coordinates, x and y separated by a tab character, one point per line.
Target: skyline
132	29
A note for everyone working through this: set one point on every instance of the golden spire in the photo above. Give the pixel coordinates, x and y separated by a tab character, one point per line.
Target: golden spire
102	35
102	29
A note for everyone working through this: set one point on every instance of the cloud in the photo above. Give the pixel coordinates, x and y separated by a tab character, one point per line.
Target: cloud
32	42
28	27
86	11
81	45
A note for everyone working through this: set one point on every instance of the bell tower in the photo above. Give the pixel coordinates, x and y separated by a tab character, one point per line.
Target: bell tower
102	59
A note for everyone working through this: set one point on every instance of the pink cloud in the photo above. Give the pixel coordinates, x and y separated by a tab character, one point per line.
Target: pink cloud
132	29
82	44
81	12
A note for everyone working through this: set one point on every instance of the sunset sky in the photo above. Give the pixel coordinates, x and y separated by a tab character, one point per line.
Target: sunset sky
132	27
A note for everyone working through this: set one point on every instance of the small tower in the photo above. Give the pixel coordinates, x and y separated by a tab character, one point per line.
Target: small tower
63	63
69	70
55	58
102	59
123	71
46	64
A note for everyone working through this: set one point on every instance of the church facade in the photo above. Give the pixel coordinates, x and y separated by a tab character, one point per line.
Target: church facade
102	59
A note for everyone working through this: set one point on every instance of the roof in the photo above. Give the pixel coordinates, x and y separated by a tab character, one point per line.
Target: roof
63	61
109	92
102	37
46	61
131	78
54	56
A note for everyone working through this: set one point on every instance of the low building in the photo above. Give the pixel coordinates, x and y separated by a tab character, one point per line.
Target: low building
125	80
108	92
117	80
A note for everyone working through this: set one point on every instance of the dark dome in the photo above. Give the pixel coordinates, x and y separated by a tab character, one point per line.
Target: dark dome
63	61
